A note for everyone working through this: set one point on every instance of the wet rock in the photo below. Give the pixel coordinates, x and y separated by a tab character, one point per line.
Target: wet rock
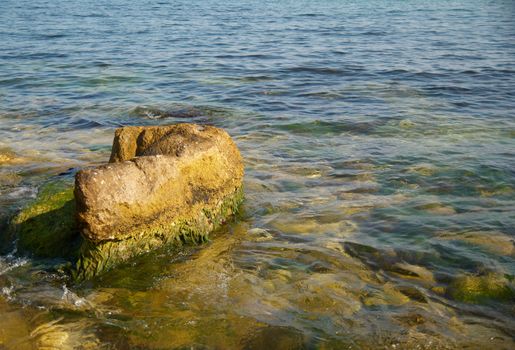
275	337
499	190
325	293
437	209
423	169
57	335
414	272
388	296
14	328
372	257
9	179
6	155
413	293
46	227
492	241
334	245
9	157
406	124
260	235
320	267
477	289
300	225
163	184
283	274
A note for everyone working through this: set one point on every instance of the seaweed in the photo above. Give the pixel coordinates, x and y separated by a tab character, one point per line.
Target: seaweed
97	258
47	228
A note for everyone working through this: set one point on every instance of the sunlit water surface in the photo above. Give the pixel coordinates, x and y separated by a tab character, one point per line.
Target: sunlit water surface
378	139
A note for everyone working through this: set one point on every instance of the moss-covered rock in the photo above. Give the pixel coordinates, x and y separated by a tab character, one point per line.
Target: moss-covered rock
478	289
495	242
46	227
97	257
165	185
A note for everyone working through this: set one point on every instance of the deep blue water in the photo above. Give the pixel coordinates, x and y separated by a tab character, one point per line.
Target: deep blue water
379	139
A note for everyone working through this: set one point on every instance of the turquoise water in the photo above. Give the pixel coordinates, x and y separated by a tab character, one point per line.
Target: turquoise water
379	142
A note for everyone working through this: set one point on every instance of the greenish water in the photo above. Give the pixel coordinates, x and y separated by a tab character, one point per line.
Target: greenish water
378	140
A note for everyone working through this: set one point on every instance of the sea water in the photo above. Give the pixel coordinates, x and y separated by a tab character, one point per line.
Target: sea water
379	146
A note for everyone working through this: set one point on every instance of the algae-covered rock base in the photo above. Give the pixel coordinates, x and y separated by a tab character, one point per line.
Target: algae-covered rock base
479	289
163	185
47	228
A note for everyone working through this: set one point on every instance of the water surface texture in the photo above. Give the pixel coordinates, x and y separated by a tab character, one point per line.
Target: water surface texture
379	143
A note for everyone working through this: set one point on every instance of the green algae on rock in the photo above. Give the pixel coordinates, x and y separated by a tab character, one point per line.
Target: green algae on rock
478	289
98	257
163	184
46	227
495	242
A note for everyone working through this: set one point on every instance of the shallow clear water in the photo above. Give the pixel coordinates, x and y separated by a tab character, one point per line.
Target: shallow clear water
379	144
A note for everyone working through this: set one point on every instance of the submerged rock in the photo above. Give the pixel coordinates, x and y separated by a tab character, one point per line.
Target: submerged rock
477	289
276	337
9	157
437	209
493	241
14	328
164	184
6	155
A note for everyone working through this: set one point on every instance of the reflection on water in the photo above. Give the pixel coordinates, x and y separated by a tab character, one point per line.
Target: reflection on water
378	141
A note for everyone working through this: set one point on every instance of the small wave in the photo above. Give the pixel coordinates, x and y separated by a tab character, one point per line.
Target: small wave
52	36
462	57
182	111
173	112
407	74
108	80
248	56
10	262
496	71
322	70
14	81
448	88
374	33
256	78
22	192
318	127
92	15
470	72
311	15
322	94
43	55
101	64
72	298
83	123
396	71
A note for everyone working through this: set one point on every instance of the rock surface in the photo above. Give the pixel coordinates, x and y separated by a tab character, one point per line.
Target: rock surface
163	184
481	288
46	227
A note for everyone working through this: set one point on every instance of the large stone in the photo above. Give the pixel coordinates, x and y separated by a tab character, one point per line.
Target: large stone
163	184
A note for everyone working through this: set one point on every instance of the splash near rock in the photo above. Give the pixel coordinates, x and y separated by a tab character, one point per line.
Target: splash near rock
163	184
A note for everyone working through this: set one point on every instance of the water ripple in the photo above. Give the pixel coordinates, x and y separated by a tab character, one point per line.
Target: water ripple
378	139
